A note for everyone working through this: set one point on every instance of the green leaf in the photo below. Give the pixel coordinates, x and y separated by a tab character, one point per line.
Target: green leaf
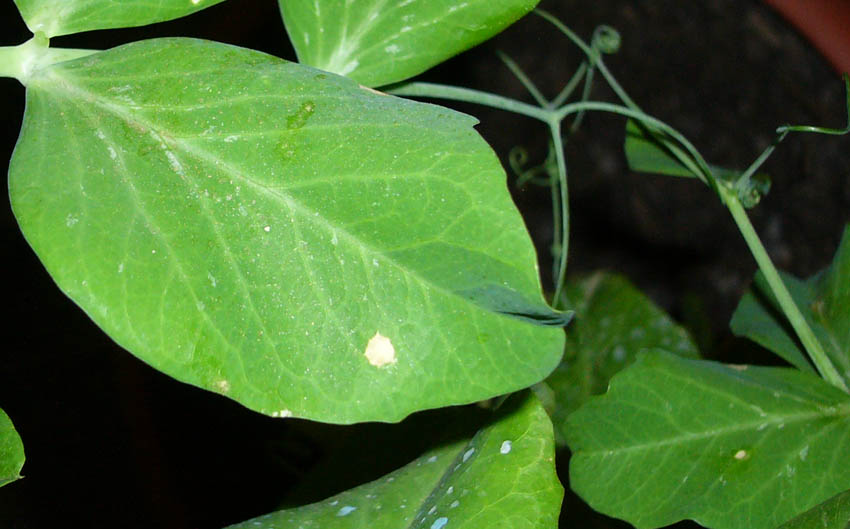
823	299
11	451
614	321
378	42
75	16
831	308
730	447
648	151
758	318
280	235
646	154
834	513
504	477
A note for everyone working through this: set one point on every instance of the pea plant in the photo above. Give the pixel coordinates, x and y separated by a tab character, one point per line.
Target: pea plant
305	240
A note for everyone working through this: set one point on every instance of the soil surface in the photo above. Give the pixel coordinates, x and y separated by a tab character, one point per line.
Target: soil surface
111	442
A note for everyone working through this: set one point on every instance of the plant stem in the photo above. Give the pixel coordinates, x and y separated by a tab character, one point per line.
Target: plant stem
23	60
783	297
571	85
593	55
555	130
526	82
468	95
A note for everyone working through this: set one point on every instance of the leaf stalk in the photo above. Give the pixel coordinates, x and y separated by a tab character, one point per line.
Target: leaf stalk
783	297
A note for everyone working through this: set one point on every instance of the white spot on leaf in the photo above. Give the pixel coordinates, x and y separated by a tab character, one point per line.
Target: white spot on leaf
440	522
380	351
223	386
505	448
345	511
468	454
740	454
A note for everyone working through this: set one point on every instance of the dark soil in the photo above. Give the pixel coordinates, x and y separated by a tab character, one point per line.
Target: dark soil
112	443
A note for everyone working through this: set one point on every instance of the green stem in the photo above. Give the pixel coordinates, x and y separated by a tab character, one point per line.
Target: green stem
22	61
698	166
783	297
555	130
585	95
593	55
526	82
470	96
571	85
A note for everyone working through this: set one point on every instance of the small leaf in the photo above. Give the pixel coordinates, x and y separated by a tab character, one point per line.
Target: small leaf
75	16
11	451
831	307
729	447
834	513
249	226
502	478
378	42
646	154
758	318
614	321
823	299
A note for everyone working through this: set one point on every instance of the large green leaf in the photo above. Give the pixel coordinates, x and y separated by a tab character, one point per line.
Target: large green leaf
280	235
730	447
75	16
504	477
823	299
614	321
378	42
11	451
834	513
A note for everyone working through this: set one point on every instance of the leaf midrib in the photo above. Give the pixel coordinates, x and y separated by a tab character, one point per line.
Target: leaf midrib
844	412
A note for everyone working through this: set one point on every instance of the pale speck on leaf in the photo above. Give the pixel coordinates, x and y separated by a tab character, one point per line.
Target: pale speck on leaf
440	522
505	448
345	511
380	351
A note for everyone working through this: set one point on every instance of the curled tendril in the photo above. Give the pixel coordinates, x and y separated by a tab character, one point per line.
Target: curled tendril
606	39
540	175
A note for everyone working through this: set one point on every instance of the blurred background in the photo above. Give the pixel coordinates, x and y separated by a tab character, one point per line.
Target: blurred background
112	443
